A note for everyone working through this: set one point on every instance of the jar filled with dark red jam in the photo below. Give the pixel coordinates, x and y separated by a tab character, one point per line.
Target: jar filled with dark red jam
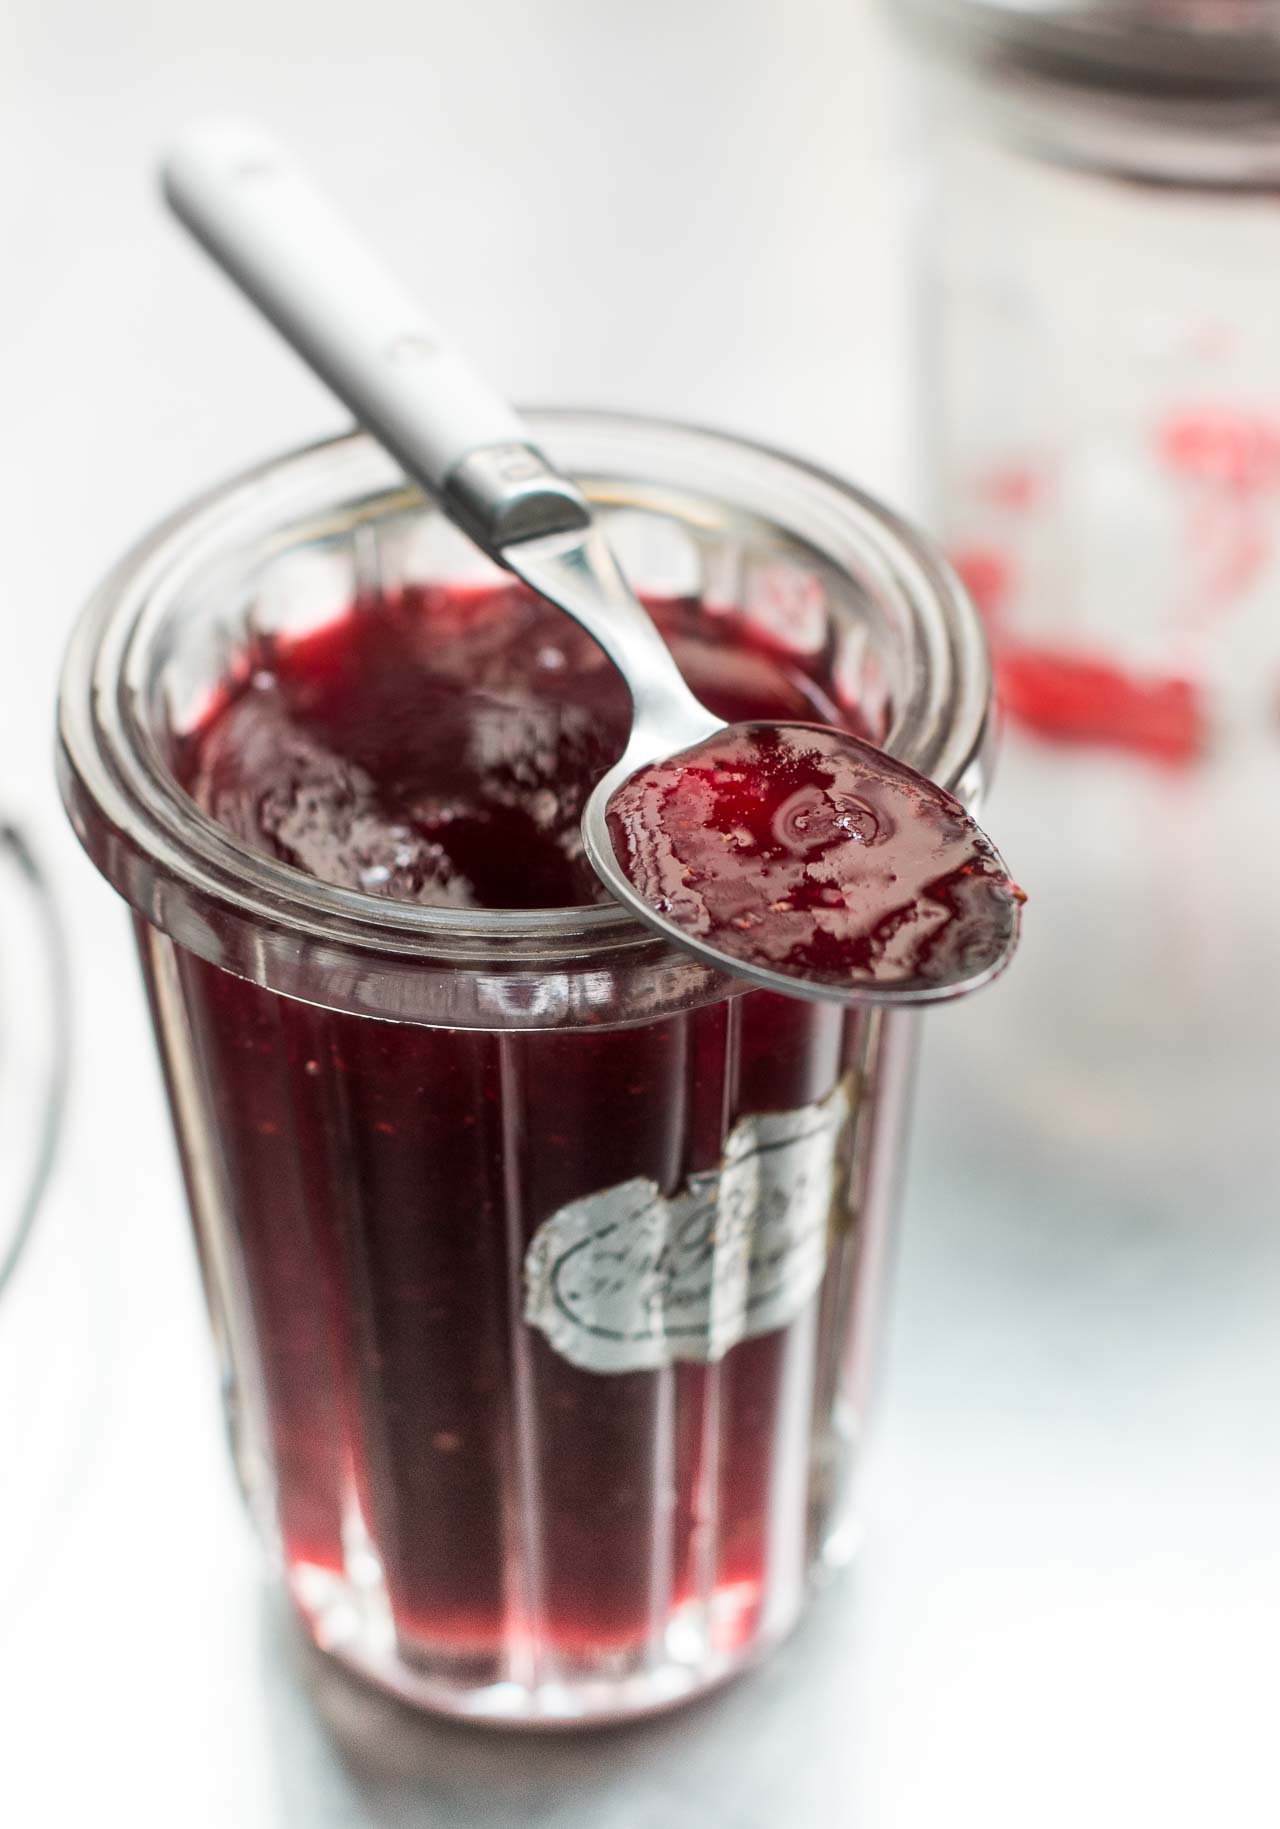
544	1263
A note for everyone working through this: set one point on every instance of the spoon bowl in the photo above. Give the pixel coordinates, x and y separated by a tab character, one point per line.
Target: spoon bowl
914	922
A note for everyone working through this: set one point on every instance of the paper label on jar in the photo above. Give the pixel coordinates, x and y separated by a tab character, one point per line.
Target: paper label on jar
629	1280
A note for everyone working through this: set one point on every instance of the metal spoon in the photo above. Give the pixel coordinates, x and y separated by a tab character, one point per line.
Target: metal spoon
285	248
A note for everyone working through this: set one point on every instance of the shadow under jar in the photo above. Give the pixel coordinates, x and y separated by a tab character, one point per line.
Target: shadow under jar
543	1262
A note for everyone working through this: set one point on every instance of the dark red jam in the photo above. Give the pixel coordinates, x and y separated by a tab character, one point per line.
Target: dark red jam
807	852
441	749
383	1182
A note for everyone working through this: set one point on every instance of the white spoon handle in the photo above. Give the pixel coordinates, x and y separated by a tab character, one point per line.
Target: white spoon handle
386	361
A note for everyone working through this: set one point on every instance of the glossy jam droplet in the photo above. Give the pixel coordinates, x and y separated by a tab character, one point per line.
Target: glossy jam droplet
802	850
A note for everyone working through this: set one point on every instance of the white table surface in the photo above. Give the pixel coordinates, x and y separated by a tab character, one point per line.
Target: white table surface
1065	1608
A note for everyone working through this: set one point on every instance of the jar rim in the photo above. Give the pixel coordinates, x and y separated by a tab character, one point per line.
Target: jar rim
1103	48
112	779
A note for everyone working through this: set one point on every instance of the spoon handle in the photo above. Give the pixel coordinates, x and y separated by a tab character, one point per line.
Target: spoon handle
282	244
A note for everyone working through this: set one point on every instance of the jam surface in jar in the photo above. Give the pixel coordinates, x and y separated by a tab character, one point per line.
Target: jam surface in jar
387	1182
440	749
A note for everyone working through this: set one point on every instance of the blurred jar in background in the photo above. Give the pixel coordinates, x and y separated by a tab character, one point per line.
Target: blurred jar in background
1097	347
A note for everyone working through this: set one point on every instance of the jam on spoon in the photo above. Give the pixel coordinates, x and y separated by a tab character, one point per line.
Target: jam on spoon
802	850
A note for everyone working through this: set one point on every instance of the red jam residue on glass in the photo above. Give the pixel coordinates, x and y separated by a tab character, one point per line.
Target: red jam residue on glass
1223	462
803	851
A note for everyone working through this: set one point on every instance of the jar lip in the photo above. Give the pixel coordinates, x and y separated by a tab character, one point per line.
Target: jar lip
1098	47
105	761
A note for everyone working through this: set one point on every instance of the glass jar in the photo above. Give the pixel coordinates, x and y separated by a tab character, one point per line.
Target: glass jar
1099	373
543	1262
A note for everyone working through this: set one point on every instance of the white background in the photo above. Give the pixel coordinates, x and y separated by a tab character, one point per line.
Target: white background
1065	1610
